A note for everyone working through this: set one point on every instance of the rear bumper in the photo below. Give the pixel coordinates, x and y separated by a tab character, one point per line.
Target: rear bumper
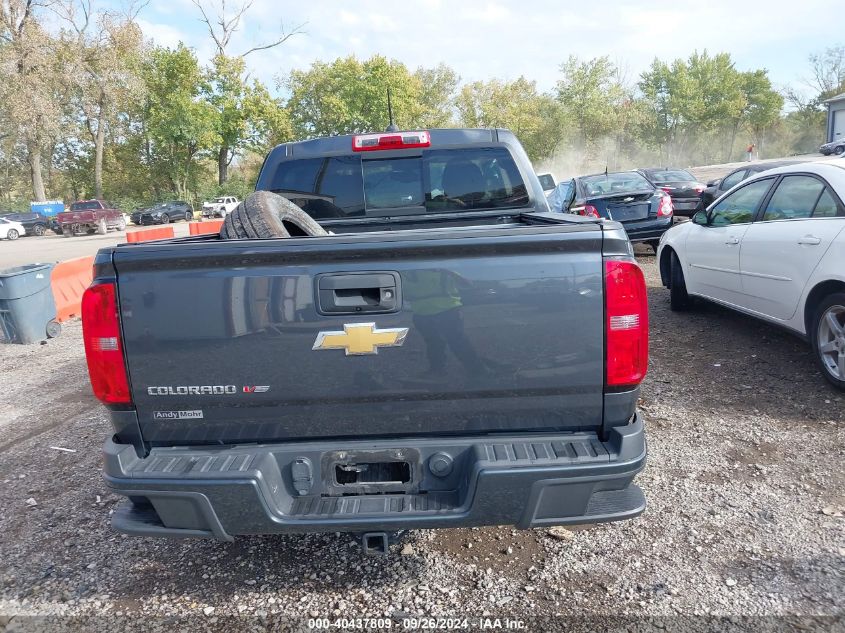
145	220
685	206
526	481
650	229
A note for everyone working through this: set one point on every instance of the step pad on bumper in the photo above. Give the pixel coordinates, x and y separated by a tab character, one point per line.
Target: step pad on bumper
374	504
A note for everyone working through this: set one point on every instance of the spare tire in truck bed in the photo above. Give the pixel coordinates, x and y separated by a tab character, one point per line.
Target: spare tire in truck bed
265	215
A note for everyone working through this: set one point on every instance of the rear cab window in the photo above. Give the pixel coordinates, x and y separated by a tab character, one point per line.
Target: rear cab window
435	181
85	206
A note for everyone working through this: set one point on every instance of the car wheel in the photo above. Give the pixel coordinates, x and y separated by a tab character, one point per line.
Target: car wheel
54	329
654	244
679	300
265	215
121	224
165	219
188	216
12	234
839	149
67	233
827	336
102	227
39	229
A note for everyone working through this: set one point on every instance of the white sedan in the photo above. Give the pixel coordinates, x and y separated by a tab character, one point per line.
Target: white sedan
10	230
772	247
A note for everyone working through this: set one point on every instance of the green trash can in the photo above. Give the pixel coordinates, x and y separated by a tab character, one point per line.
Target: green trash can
27	307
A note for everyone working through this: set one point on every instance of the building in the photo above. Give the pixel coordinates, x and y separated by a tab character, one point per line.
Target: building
835	118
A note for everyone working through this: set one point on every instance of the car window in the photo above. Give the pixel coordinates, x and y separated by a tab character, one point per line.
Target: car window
622	182
794	198
437	180
732	179
670	175
826	207
739	207
547	181
85	206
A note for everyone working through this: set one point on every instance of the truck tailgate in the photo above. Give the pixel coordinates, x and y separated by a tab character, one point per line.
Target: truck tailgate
494	329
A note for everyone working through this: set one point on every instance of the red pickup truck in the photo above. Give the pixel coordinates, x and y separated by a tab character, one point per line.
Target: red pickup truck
90	216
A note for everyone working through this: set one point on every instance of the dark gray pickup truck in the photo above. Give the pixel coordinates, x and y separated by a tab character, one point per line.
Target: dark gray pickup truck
450	354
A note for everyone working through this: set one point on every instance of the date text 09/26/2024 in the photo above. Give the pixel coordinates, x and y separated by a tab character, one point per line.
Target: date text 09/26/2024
416	623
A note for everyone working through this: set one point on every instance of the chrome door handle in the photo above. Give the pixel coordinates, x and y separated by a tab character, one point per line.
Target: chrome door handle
811	240
732	241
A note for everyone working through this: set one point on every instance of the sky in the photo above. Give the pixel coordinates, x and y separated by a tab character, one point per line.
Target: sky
508	38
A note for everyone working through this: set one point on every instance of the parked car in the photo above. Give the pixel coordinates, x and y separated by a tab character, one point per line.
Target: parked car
163	213
627	197
219	208
11	230
91	216
772	247
53	225
474	361
547	181
717	187
682	187
834	147
34	223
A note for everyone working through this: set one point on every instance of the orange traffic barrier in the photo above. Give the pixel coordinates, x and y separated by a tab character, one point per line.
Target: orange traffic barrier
202	228
159	233
68	281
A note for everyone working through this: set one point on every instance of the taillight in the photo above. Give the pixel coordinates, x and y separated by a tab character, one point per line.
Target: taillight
590	211
665	209
103	347
626	310
390	140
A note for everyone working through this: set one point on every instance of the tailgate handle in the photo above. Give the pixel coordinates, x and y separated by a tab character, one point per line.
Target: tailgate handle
358	293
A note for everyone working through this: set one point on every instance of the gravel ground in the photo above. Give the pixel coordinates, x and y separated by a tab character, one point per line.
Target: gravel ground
744	484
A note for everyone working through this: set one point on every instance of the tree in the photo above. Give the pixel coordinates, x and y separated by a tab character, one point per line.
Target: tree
32	83
702	102
535	118
828	72
763	105
228	81
245	113
178	124
349	96
592	93
107	49
437	87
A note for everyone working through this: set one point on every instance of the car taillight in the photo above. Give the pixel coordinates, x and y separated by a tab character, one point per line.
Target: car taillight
390	140
103	347
590	211
665	209
626	313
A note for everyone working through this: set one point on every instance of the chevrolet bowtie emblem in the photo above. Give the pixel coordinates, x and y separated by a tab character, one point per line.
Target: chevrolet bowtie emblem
361	338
